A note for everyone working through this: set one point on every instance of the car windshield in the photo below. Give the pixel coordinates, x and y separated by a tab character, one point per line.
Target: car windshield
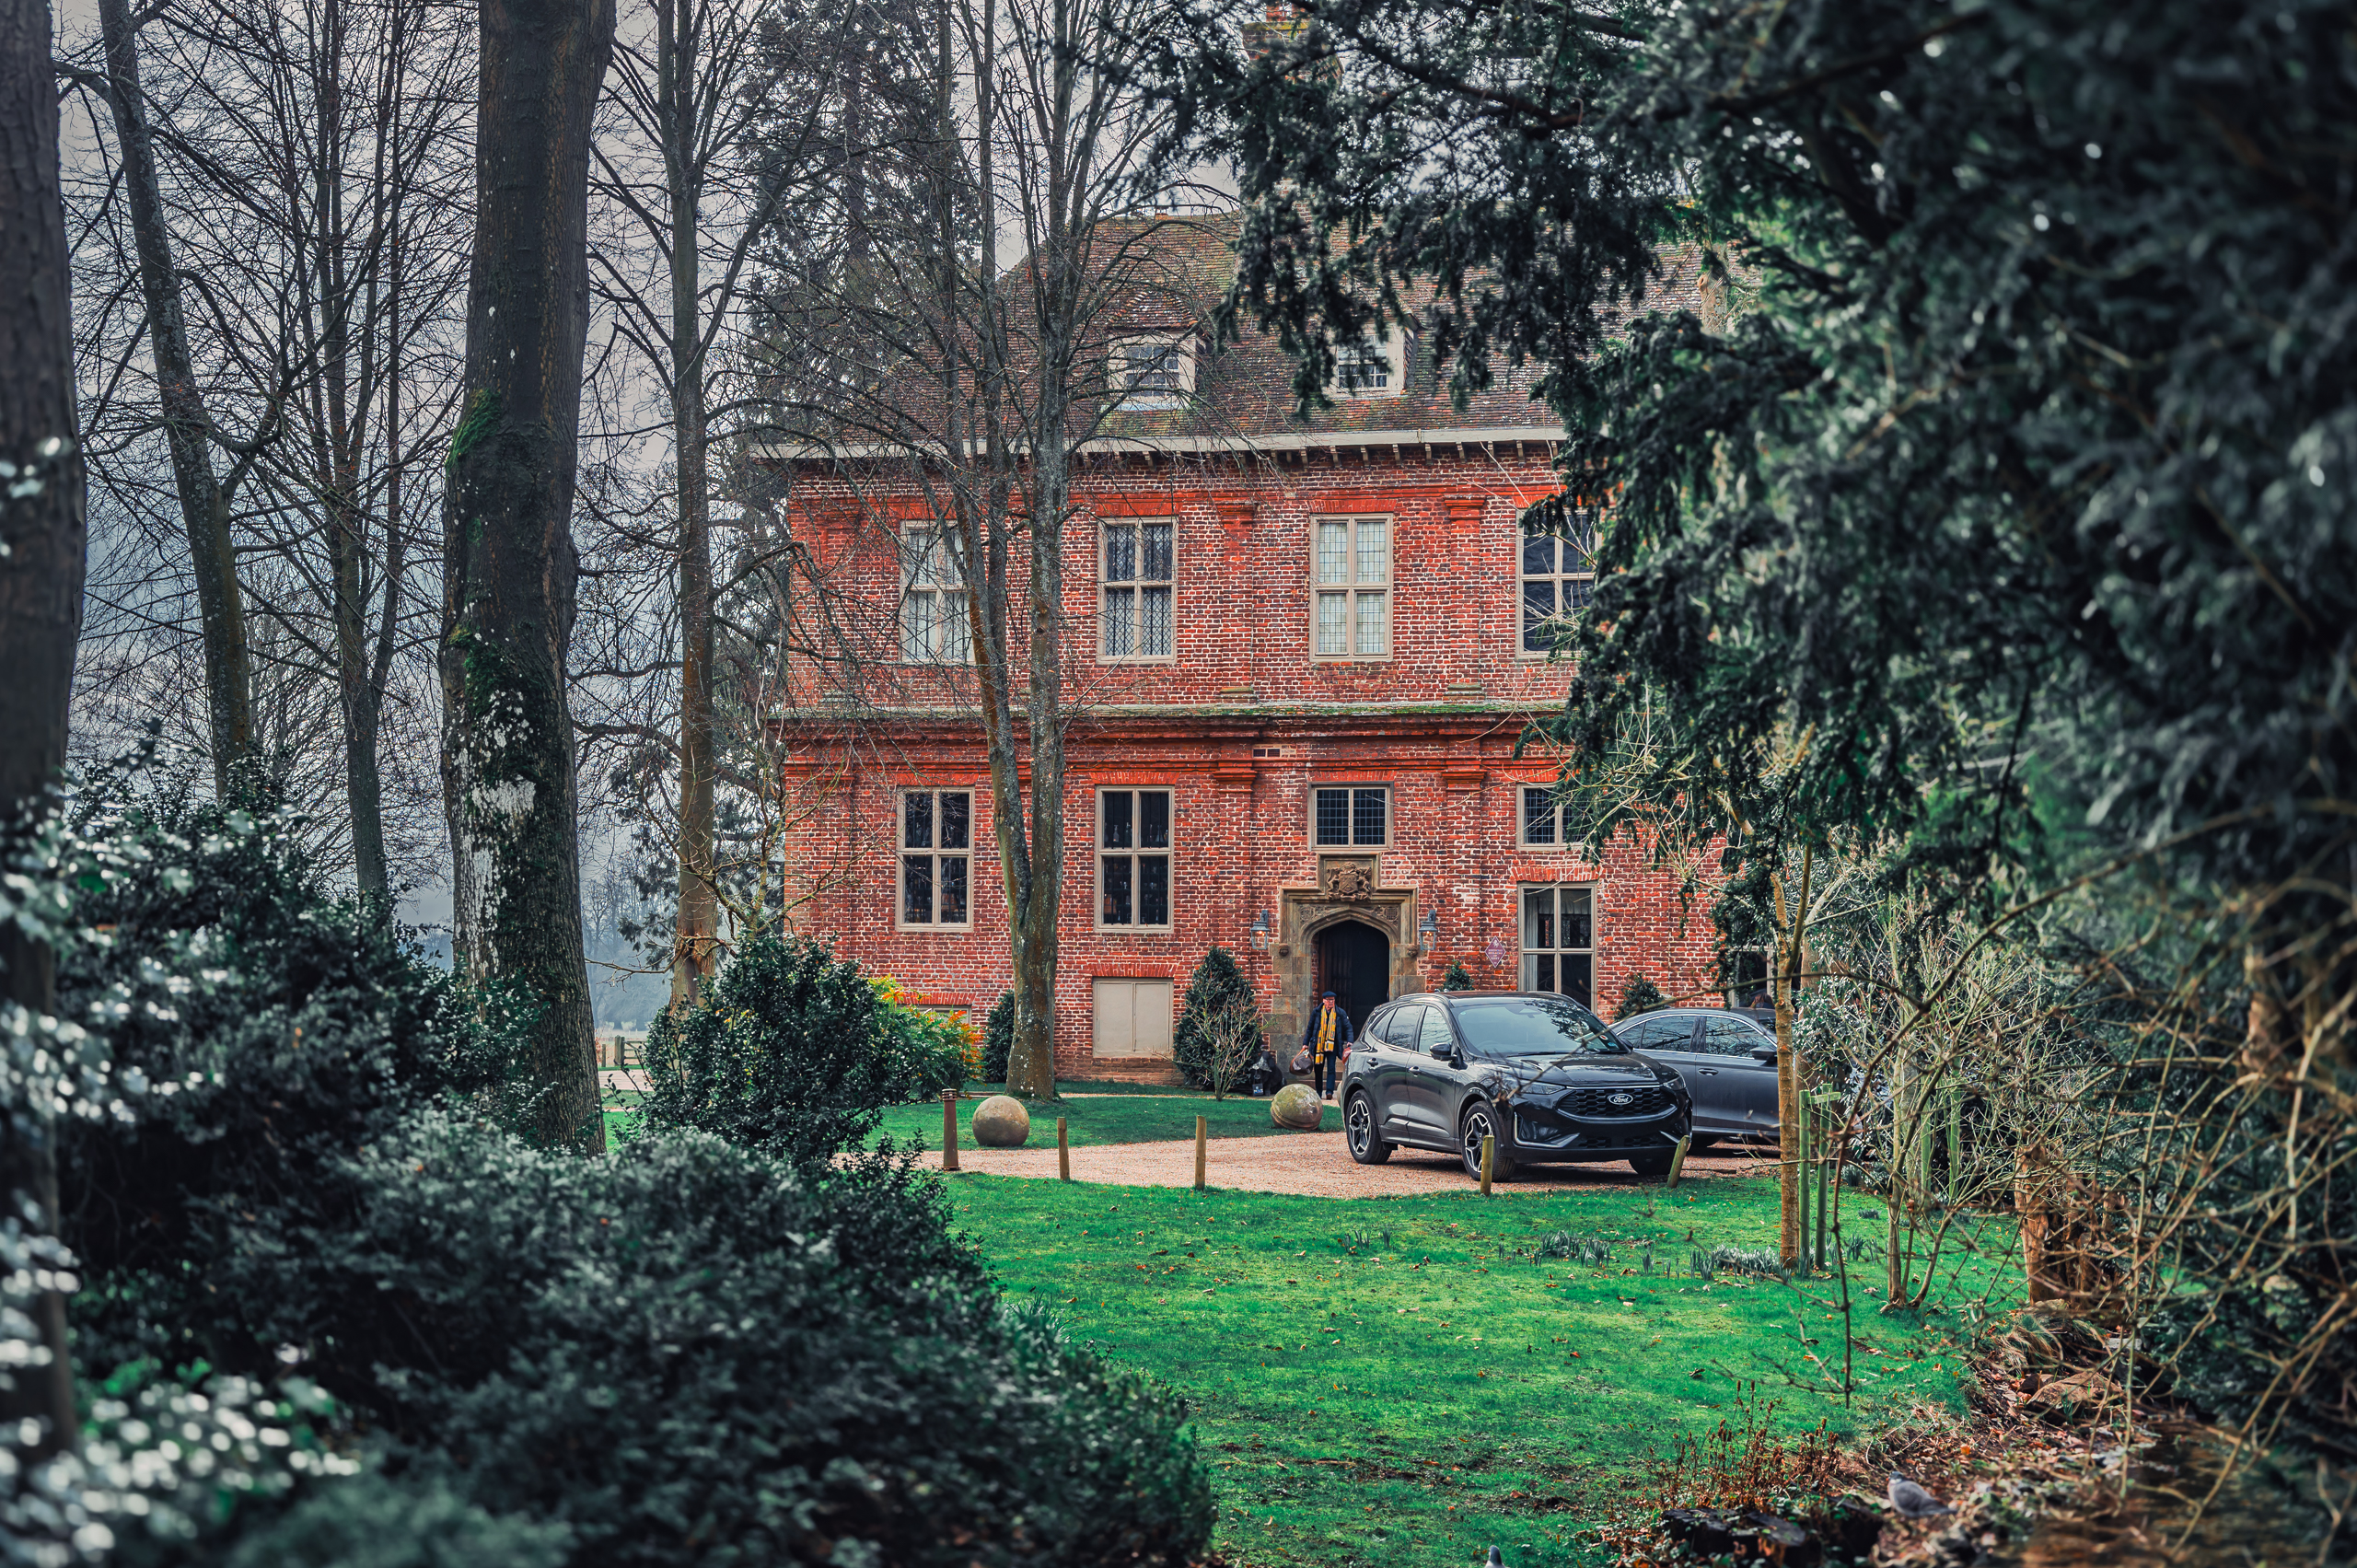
1527	1025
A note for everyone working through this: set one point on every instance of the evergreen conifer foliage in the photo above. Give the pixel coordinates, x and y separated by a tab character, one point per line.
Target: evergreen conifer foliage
1640	996
1459	978
1993	520
2018	443
998	1037
1219	1027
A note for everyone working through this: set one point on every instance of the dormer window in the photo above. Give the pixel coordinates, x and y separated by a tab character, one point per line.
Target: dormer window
1153	372
1372	370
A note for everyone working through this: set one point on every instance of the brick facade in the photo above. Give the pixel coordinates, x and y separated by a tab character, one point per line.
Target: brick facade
1240	724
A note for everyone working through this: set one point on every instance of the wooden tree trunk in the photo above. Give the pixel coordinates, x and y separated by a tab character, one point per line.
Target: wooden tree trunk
1788	1085
41	607
509	568
361	695
205	506
1031	1064
693	951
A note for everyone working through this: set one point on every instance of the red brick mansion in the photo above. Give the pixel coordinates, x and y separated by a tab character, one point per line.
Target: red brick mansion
1300	655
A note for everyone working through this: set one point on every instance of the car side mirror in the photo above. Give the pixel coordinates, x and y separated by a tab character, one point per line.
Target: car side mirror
1763	1052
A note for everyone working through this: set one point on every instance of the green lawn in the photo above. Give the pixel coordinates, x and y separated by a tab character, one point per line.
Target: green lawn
1123	1118
1134	1116
1439	1388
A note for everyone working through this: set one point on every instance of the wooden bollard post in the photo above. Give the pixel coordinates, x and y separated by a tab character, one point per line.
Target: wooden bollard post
1489	1154
1063	1149
949	1129
1202	1149
1677	1159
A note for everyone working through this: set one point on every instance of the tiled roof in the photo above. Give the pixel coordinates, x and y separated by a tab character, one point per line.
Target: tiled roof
1245	387
1176	270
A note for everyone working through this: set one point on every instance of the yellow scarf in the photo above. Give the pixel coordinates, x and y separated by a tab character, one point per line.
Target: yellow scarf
1326	1016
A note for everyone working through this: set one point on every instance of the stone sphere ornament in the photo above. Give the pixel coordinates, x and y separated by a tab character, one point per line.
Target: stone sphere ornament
1297	1106
1001	1122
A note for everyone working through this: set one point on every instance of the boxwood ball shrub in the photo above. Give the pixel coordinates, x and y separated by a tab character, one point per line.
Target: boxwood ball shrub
789	1051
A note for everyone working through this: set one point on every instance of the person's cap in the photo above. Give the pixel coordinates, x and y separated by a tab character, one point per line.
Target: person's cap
1329	996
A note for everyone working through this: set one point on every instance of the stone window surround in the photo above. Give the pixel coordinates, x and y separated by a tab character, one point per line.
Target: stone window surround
1136	586
1098	852
1561	579
1523	954
901	852
1522	838
1309	814
959	647
1353	588
1169	347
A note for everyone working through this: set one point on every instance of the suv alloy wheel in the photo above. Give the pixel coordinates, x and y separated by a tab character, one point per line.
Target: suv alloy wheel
1367	1146
1481	1120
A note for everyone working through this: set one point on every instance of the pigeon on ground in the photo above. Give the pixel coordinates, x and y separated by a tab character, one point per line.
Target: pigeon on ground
1912	1502
1495	1561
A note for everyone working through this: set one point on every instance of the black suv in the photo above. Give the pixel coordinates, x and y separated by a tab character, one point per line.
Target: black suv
1536	1070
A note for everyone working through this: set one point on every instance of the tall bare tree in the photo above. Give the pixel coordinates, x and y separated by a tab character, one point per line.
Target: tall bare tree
188	427
370	285
683	215
41	603
304	174
509	567
961	334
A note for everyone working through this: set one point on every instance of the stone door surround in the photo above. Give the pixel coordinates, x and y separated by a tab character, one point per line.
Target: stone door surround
1349	889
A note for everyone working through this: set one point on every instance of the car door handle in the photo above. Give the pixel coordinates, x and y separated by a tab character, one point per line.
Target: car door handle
1709	1072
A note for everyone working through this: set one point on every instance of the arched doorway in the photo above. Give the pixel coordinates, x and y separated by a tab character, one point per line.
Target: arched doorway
1353	961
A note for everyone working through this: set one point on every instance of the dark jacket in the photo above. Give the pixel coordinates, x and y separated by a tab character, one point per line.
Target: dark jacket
1343	1034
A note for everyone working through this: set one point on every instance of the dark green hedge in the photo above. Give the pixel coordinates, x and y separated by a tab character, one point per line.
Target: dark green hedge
686	1351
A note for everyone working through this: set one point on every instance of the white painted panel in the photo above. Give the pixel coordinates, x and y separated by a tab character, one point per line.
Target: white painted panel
1133	1018
1154	1017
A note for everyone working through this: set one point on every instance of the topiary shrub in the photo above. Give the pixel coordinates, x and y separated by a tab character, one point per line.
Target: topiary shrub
998	1038
1219	1027
786	1052
1640	996
1457	978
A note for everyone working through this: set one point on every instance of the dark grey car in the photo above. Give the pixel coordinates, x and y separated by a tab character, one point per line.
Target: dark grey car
1726	1057
1535	1071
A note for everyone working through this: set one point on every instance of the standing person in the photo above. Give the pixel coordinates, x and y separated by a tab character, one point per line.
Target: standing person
1323	1036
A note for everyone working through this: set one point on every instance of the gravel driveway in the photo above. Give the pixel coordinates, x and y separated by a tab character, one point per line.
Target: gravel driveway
1315	1164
